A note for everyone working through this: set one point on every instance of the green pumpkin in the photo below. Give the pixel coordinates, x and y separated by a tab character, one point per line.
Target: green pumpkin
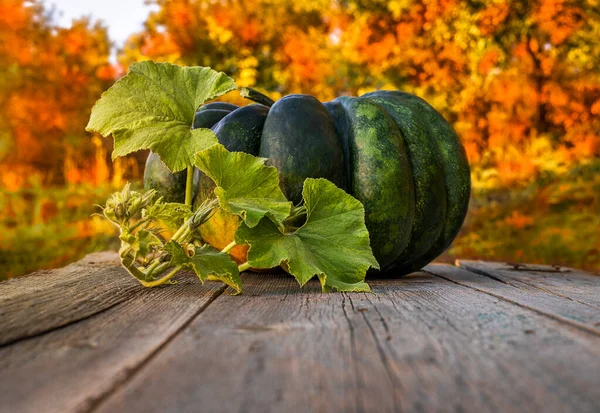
391	150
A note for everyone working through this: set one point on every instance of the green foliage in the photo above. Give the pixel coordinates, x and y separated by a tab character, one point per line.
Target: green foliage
149	108
333	243
172	214
153	107
206	261
326	236
245	186
142	243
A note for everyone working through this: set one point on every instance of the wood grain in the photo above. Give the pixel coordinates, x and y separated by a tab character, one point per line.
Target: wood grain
48	299
71	368
565	282
421	343
524	290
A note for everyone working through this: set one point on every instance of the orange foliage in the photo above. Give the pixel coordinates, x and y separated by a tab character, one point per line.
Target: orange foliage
250	31
518	220
559	19
492	17
158	44
517	79
13	15
434	9
489	61
306	61
51	78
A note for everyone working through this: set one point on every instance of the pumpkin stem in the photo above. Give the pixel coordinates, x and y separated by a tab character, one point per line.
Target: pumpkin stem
189	186
255	96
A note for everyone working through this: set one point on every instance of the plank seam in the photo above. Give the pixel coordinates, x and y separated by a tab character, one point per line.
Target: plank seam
555	317
94	402
537	287
61	326
500	280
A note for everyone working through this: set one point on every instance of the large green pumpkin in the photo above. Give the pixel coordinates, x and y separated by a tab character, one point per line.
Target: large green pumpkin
391	150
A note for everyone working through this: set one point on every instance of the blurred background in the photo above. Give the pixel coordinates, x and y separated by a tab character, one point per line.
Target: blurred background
519	81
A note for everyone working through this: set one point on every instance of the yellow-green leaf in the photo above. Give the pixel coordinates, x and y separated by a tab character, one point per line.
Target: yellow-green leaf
333	243
245	185
153	107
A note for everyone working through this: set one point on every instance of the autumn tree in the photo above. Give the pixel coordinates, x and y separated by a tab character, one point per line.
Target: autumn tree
49	79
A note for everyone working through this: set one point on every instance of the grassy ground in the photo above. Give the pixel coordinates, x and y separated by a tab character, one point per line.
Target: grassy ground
50	227
555	220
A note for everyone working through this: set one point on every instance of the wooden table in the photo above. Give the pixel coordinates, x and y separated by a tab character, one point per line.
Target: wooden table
479	337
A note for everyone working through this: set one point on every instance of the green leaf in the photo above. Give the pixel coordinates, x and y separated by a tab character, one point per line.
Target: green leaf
245	185
333	243
153	107
207	261
172	214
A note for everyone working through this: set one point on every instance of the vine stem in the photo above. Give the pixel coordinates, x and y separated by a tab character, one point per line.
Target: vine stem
189	183
151	268
243	267
158	269
185	236
182	232
128	263
138	224
229	247
161	280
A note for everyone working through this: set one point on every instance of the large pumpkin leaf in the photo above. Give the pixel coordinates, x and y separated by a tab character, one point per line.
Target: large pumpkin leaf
206	261
333	243
245	185
173	215
153	107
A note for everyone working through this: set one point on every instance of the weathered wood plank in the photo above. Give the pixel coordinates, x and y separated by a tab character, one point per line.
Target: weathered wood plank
45	300
69	369
562	281
420	343
527	294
